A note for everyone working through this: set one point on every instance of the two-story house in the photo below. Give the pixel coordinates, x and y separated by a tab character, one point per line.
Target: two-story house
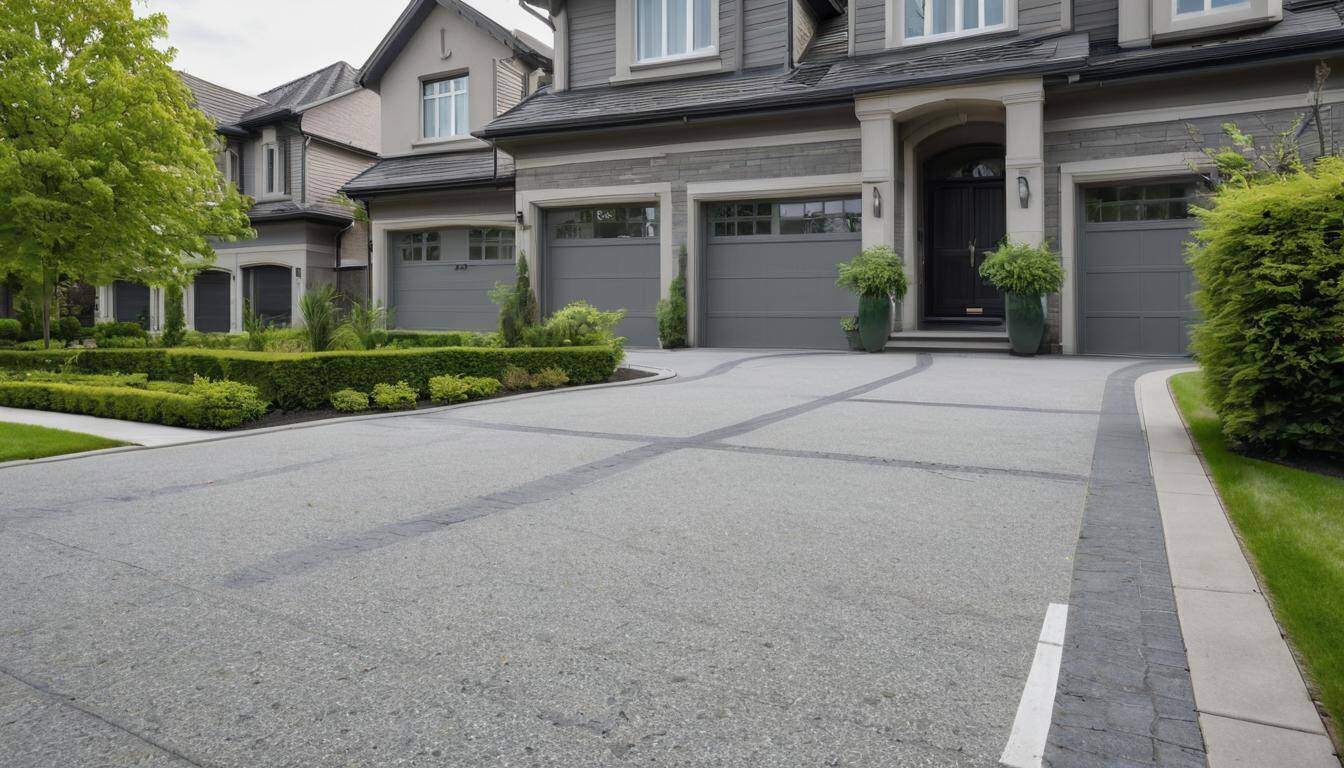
290	149
441	201
772	139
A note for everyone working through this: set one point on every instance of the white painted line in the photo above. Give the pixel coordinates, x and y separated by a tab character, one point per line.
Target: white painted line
1026	742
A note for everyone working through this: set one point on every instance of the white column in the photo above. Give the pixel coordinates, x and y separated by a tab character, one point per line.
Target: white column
877	134
1024	159
236	298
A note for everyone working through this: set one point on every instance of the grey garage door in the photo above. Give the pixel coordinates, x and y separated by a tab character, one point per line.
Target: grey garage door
770	272
607	256
211	313
441	279
130	302
1135	283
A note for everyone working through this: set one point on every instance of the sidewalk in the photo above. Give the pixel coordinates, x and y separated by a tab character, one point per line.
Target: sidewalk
1253	705
132	432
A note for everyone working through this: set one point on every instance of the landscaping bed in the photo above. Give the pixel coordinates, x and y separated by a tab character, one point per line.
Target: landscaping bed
1291	521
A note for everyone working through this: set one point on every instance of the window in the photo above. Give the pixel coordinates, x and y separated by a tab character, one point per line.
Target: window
419	247
444	108
234	167
1204	6
934	19
1139	202
273	169
605	223
791	217
490	245
673	28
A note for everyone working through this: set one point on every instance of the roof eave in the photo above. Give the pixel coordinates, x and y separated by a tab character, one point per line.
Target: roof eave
502	180
302	215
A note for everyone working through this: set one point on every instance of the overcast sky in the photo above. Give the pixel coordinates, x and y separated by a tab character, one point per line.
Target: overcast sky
254	45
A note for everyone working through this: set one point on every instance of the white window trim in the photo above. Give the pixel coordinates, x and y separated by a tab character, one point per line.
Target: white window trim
629	68
271	185
1169	25
1207	10
692	53
457	134
896	24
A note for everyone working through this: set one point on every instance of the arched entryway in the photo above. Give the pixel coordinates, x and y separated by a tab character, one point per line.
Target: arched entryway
211	301
268	293
130	303
964	221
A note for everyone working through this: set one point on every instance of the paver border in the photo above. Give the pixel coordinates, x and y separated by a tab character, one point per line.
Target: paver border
1252	701
659	375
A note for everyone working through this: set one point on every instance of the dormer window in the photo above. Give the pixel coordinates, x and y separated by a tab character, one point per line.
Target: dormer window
444	108
1184	7
926	21
273	168
672	29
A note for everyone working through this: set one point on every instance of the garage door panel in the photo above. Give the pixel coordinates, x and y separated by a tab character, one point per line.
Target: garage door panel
1135	281
615	272
441	279
774	331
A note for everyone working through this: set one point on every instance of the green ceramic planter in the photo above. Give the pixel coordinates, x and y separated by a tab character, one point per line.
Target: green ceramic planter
874	322
1026	322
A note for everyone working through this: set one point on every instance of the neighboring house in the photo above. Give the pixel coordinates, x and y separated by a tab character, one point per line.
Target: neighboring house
773	138
441	201
290	149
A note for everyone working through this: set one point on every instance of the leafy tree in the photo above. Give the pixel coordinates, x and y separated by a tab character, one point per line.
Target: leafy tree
106	167
174	317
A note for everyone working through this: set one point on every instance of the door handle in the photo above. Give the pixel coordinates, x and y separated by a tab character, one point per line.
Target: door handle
971	248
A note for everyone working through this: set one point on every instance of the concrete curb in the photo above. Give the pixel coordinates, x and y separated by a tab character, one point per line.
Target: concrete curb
659	374
1252	703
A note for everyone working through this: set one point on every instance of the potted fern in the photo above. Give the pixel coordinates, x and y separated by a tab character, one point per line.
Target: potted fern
876	275
1026	274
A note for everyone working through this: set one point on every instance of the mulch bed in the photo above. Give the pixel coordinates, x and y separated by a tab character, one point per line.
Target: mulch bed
285	418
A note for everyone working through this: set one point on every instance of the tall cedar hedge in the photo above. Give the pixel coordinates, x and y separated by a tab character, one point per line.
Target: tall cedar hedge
307	380
1269	260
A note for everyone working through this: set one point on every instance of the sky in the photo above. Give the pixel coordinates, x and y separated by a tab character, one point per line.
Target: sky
254	45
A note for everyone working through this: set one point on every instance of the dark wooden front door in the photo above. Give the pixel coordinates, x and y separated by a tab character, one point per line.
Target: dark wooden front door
966	221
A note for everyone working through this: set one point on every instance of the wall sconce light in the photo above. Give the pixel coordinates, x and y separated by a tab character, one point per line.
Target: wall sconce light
518	217
877	203
1023	191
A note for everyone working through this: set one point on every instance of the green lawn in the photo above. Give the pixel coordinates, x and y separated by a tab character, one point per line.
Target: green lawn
1292	521
21	441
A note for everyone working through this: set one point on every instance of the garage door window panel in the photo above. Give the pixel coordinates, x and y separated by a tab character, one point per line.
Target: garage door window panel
788	218
606	223
419	247
1148	202
491	245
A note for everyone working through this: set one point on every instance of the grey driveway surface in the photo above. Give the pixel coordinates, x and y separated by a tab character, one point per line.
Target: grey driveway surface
771	560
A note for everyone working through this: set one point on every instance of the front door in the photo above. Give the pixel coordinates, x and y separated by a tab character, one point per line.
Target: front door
965	204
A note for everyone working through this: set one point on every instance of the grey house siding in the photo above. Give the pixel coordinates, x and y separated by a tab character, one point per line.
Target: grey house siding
1034	16
508	85
766	23
329	167
870	30
592	42
728	33
1099	17
690	167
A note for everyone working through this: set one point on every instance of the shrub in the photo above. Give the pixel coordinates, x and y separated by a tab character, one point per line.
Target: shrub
306	380
109	329
200	340
516	378
224	404
449	389
419	339
394	397
481	386
349	401
174	317
206	405
368	324
320	321
255	328
132	380
672	310
1024	270
578	324
875	272
69	329
1270	268
124	342
550	378
10	329
517	305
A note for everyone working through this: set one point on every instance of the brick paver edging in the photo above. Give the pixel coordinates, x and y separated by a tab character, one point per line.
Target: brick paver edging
1124	695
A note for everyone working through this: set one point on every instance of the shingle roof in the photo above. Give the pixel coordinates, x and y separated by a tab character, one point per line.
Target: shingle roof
222	105
821	77
286	209
445	170
292	96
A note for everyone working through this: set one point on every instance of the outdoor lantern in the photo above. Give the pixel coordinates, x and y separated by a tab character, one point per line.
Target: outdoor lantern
1023	191
518	217
877	203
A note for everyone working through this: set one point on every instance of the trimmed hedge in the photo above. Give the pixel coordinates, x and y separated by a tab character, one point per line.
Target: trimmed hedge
307	380
409	339
121	403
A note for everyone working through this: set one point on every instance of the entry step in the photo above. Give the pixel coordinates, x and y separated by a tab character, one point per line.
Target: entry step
950	341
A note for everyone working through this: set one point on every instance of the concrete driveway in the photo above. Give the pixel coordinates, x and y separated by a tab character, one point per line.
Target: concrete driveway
775	559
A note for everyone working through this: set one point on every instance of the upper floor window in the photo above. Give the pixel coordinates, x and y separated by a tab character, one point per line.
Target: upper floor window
673	28
273	168
937	19
1204	6
444	108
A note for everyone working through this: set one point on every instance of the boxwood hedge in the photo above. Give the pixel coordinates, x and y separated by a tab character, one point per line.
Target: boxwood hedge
307	380
218	405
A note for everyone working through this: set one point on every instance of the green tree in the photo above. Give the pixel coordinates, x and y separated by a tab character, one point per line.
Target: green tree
106	167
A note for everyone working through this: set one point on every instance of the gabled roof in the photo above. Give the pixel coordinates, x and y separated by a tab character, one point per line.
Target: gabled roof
220	104
439	171
525	46
234	111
